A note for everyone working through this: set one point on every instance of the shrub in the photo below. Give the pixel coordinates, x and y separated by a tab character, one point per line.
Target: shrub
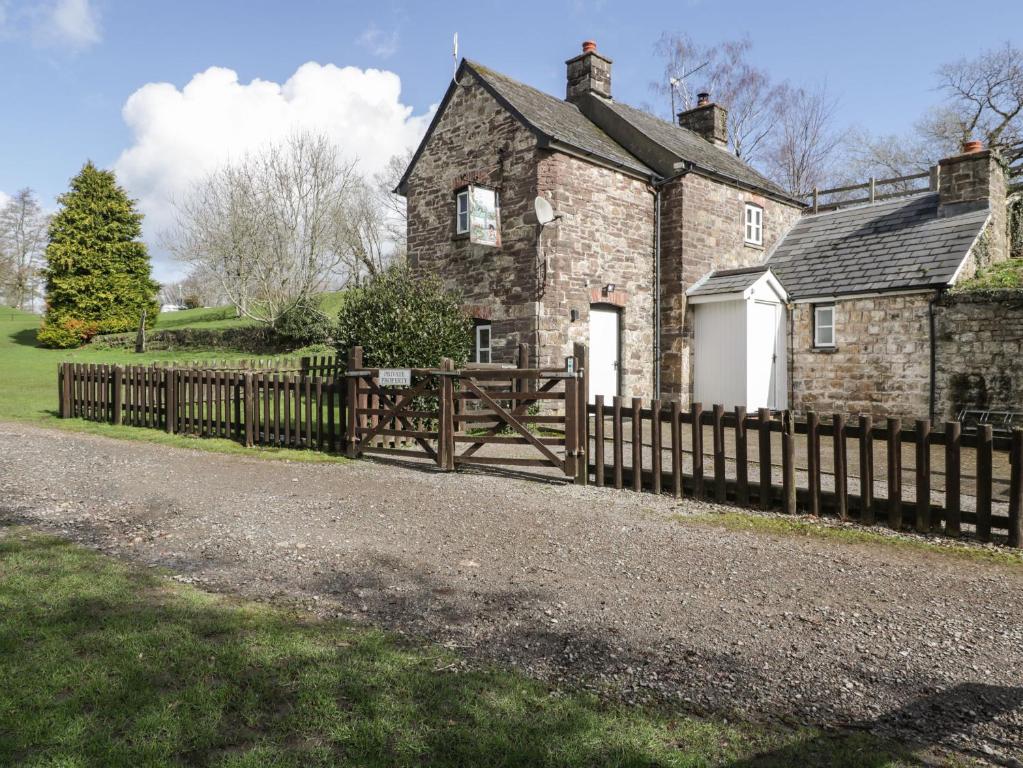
403	319
304	324
66	332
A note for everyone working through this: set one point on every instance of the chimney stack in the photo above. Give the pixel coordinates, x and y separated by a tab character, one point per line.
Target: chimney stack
975	179
707	119
589	72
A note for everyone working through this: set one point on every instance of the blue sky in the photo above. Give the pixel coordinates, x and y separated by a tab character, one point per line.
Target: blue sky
69	67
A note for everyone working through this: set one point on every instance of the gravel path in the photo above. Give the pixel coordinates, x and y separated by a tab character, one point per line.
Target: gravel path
603	588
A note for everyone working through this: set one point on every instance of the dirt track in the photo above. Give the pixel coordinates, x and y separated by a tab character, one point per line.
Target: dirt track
601	587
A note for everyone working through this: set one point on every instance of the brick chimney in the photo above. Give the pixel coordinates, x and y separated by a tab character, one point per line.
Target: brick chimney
707	119
589	72
973	179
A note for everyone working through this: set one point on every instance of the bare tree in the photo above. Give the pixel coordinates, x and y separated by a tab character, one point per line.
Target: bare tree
273	228
753	101
804	147
984	99
23	228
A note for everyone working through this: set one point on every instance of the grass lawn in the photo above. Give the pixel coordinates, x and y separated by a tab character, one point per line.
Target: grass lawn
28	382
105	664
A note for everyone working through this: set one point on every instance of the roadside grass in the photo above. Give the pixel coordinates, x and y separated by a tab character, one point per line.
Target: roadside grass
224	317
28	387
210	444
853	534
102	663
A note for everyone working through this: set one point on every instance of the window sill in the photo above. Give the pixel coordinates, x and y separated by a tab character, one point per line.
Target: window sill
464	236
824	350
754	246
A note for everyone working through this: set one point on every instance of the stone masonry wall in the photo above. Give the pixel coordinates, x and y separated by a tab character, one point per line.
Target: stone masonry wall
605	235
702	229
880	364
979	355
476	140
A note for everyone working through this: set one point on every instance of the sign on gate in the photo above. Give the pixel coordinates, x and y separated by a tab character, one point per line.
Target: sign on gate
395	377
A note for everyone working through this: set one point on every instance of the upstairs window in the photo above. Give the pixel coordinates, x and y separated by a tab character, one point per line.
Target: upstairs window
483	343
462	212
478	215
754	223
824	326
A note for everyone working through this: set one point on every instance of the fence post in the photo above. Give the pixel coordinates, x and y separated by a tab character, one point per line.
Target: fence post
676	450
598	441
250	410
696	410
764	455
582	402
655	444
67	378
118	377
571	420
352	404
741	458
788	464
637	444
866	470
841	468
446	436
617	439
923	476
953	440
718	442
813	462
1016	490
985	457
894	473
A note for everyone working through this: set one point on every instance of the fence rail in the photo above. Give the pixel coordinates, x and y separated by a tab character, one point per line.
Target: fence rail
874	190
854	468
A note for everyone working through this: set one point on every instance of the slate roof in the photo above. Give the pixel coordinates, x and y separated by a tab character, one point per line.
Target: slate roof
727	281
557	119
690	146
899	244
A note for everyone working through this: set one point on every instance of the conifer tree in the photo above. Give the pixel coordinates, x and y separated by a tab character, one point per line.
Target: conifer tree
97	267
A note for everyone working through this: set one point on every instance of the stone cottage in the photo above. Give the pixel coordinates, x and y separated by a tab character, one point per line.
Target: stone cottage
688	273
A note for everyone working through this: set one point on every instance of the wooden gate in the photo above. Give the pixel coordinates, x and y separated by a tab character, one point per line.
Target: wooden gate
481	415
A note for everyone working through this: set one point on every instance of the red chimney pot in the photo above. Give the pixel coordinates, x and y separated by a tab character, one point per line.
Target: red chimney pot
589	46
974	145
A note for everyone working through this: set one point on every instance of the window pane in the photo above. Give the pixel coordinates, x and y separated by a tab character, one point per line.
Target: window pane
484	356
485	337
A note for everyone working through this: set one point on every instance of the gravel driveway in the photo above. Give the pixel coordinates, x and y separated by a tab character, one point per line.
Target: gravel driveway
604	588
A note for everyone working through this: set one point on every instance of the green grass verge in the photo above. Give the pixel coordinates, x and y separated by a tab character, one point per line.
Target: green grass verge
224	317
105	664
853	534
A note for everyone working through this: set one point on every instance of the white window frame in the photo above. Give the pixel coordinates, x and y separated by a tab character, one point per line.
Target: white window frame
487	350
753	224
818	325
462	212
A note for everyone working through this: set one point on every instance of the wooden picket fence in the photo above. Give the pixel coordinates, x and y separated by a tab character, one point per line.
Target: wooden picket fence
644	447
629	444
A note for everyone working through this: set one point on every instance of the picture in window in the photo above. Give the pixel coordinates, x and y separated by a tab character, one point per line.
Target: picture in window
484	216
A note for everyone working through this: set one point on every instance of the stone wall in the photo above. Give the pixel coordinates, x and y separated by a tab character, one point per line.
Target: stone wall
979	355
605	235
880	364
702	228
476	140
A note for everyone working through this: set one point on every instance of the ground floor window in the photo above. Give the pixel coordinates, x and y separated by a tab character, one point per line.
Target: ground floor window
824	325
481	352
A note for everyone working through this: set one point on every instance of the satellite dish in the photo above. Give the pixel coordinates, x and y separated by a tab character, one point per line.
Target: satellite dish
544	212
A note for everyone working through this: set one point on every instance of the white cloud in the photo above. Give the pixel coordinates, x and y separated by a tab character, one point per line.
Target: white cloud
378	42
70	23
179	135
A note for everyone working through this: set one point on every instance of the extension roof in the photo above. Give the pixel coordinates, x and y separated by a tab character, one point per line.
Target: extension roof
895	245
734	283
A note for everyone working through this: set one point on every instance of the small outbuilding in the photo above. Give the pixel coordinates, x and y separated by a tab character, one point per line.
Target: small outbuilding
739	349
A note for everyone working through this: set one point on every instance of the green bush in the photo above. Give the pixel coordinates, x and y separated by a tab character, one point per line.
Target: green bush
304	324
66	332
404	320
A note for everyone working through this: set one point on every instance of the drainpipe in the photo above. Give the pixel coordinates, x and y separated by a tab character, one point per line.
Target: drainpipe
934	352
657	292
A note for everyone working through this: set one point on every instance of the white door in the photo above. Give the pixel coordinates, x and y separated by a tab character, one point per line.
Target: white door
604	353
765	355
